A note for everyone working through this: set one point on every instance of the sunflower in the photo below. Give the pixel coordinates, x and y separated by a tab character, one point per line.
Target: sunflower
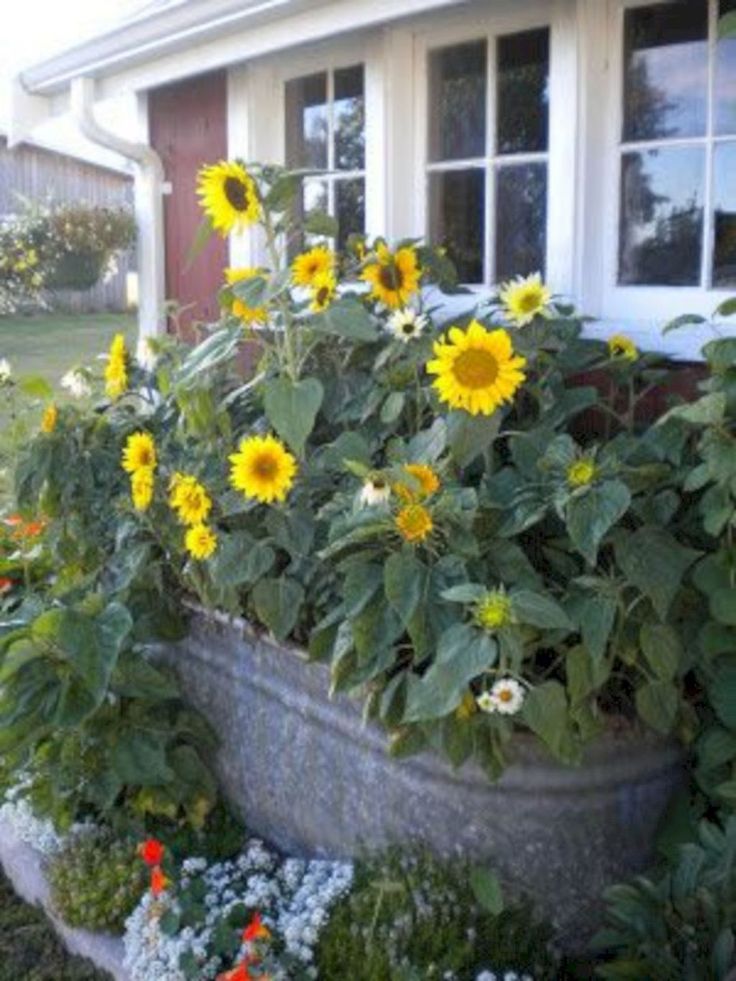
228	196
406	324
263	468
49	418
116	369
240	308
414	523
621	346
189	499
423	482
141	488
309	266
393	277
494	610
476	369
525	299
324	289
581	472
200	541
139	452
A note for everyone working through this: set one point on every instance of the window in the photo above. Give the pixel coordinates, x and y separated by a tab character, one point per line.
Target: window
487	154
677	194
325	130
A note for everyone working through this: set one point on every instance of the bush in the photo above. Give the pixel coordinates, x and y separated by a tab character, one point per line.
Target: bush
97	881
412	916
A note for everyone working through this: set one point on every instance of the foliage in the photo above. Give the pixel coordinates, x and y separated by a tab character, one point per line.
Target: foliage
680	925
410	916
96	881
29	948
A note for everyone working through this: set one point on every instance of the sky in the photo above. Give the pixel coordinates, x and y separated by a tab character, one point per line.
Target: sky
34	29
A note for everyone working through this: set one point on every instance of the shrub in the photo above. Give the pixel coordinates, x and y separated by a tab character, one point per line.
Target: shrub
96	881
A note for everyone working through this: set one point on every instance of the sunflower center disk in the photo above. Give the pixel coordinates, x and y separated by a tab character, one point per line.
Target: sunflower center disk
475	368
236	193
265	467
390	277
529	302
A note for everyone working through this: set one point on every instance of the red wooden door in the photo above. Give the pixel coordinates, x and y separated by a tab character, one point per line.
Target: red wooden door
188	128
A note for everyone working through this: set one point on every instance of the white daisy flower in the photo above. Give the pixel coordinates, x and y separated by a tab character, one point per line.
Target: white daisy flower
5	370
76	382
145	354
508	696
406	324
375	490
485	702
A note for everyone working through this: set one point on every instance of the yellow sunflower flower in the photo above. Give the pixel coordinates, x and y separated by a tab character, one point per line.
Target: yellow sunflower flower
324	289
494	610
414	523
248	315
49	418
309	266
116	369
476	369
229	196
621	346
525	299
139	452
393	277
581	472
200	541
263	468
190	500
427	480
141	488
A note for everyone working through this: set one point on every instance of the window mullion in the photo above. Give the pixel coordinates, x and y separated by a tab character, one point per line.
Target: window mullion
489	245
706	273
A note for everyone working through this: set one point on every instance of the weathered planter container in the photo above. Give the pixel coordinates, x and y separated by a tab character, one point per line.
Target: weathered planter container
311	777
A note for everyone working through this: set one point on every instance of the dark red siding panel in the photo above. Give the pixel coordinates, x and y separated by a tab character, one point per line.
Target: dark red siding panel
188	127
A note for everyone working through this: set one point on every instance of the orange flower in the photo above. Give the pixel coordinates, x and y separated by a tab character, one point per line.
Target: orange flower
256	930
242	972
5	584
159	882
151	851
33	528
13	520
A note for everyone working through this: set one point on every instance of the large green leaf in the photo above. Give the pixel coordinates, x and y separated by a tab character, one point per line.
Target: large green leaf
662	648
405	583
469	436
135	677
722	691
655	562
546	712
657	703
592	515
539	610
240	559
723	605
139	758
278	603
596	616
292	408
346	317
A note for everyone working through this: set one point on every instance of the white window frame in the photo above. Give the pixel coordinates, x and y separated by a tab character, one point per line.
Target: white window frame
508	19
653	305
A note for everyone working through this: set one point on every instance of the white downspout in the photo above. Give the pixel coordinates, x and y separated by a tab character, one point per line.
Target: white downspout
149	208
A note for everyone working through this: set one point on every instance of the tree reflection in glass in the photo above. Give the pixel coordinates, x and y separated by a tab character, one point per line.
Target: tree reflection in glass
521	220
306	122
349	116
523	92
349	209
724	185
725	78
457	102
457	209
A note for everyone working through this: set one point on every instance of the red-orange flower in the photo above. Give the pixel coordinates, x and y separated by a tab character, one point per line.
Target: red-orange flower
151	851
242	972
33	528
5	584
159	882
256	930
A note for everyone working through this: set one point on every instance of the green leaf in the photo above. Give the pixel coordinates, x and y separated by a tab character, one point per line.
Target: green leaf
135	677
292	408
139	758
465	592
662	648
320	223
278	604
201	238
722	692
539	611
706	411
585	674
728	307
35	387
655	562
592	515
546	713
469	436
596	616
392	408
487	890
723	605
428	445
348	318
215	349
685	320
657	703
253	291
405	582
240	560
727	25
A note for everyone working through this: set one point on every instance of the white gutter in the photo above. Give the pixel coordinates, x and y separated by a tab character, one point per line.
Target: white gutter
149	212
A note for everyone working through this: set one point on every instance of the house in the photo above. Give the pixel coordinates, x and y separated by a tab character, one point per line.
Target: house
592	139
38	172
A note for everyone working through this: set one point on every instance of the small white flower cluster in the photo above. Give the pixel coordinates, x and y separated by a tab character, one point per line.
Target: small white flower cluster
38	832
506	697
76	382
5	371
293	896
506	976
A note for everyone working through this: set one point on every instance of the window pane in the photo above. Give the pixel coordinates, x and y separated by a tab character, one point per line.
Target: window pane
349	110
661	231
521	220
523	97
457	102
666	70
350	209
724	257
457	219
306	122
725	85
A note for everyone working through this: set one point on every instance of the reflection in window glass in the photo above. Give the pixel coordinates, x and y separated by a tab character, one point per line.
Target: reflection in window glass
521	220
349	209
661	227
666	71
725	80
724	256
457	209
306	121
523	96
457	102
349	115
